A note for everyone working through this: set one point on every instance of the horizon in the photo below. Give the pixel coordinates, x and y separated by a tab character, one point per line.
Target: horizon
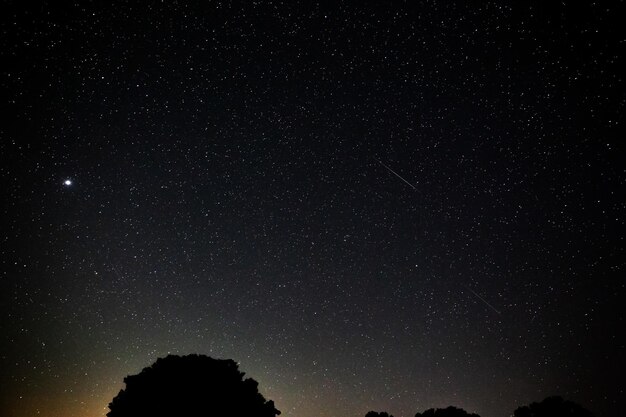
388	207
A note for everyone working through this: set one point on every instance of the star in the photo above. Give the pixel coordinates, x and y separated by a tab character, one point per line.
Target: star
359	203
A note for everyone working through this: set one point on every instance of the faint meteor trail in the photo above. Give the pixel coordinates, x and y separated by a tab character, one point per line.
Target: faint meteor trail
483	300
117	272
397	175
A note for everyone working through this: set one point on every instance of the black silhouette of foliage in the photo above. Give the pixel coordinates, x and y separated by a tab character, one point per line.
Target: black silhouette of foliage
192	385
446	412
377	414
553	407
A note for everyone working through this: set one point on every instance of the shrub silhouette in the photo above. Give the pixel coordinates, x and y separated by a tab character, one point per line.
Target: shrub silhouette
446	412
553	407
376	414
192	385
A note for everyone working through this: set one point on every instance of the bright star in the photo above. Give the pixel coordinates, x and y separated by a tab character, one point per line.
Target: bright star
67	182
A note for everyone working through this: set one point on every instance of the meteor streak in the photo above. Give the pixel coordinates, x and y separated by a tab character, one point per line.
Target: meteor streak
397	175
483	300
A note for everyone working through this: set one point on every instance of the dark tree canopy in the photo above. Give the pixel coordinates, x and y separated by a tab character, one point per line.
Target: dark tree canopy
192	385
377	414
553	407
446	412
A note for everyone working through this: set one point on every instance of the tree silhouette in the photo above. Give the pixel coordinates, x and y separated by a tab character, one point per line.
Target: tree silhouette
553	407
192	385
446	412
376	414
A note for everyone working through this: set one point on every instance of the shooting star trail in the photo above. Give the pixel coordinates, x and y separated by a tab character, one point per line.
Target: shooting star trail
483	300
120	276
397	175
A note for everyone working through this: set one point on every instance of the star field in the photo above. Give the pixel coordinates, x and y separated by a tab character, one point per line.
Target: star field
368	206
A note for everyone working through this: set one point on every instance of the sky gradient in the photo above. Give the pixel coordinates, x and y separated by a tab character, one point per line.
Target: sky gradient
368	206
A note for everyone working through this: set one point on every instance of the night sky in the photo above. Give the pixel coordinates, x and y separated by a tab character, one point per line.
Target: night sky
387	205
